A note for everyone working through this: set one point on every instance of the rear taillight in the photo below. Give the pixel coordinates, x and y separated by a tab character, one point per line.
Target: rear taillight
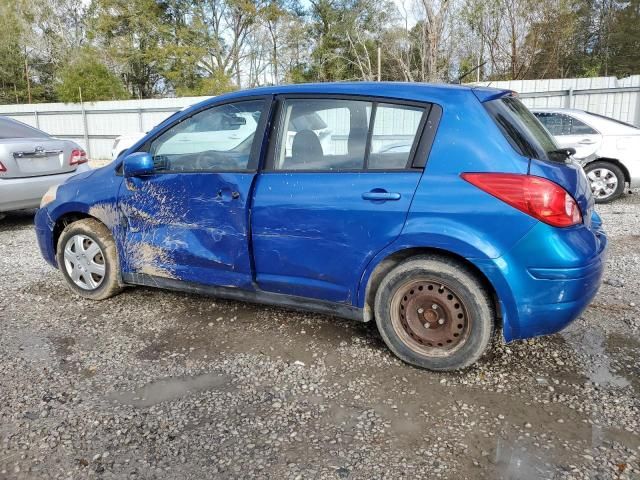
78	157
541	198
2	168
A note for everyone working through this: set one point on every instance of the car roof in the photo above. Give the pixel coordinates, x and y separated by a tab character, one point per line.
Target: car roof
442	94
397	90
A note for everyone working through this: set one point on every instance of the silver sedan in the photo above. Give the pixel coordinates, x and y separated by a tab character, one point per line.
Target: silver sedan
31	161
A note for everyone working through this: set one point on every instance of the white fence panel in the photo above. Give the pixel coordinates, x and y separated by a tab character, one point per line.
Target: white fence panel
95	125
610	96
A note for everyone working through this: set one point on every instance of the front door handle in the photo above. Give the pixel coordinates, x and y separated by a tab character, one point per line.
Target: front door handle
381	195
586	141
224	194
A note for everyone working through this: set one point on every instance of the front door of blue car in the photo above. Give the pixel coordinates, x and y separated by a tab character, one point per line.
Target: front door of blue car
188	220
335	191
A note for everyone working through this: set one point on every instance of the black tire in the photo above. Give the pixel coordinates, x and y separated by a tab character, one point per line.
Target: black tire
97	232
613	168
456	291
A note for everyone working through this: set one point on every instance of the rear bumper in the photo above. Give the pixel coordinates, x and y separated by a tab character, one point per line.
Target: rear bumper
20	193
548	279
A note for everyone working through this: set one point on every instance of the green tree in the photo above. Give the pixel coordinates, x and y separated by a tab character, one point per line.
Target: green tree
624	40
347	33
91	78
134	35
211	84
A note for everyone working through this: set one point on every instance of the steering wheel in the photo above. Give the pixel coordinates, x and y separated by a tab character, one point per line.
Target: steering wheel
211	159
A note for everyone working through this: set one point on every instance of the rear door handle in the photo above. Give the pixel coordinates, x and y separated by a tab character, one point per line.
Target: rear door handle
586	141
381	196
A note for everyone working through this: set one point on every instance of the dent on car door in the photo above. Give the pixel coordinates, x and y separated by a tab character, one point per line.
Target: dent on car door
336	191
188	220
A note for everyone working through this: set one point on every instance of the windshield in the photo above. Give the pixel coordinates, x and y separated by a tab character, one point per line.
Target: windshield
615	120
522	129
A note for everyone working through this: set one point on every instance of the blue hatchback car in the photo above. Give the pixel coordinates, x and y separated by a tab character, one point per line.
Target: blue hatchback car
446	214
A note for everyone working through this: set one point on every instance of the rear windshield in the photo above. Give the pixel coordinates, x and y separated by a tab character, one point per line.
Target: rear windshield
524	132
620	122
10	128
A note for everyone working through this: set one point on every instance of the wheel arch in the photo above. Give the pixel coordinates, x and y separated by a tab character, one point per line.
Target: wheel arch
67	219
386	264
616	162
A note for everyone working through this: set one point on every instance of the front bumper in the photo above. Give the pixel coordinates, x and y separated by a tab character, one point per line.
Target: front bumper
26	192
44	227
548	279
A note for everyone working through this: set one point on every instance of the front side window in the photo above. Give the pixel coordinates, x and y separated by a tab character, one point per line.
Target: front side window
217	139
335	134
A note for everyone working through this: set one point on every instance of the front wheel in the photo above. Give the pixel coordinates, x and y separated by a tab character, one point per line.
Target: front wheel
606	180
88	259
434	313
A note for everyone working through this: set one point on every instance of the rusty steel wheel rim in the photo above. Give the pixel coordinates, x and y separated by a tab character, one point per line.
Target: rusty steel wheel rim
430	318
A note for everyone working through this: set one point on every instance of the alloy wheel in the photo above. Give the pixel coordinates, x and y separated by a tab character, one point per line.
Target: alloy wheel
603	182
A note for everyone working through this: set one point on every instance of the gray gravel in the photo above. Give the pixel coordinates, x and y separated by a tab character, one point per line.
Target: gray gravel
154	384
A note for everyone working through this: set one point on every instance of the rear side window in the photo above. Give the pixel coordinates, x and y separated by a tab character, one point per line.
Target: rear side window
560	124
323	135
581	128
10	128
395	129
336	134
521	128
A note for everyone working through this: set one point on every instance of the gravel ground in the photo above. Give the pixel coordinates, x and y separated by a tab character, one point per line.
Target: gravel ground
154	384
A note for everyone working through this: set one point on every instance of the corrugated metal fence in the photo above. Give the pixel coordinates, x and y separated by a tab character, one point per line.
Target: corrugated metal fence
615	98
95	125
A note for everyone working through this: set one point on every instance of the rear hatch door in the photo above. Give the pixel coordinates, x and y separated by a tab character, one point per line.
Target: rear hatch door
572	178
527	136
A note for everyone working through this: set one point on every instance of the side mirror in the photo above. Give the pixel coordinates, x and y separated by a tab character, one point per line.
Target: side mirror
138	164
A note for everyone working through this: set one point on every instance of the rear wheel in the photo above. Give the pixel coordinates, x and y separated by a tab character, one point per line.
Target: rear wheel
606	180
434	313
87	257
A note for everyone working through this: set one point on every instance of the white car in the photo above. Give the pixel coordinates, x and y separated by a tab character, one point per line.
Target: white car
608	149
124	142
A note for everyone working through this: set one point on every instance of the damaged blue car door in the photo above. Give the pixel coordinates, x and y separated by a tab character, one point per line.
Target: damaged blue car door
188	219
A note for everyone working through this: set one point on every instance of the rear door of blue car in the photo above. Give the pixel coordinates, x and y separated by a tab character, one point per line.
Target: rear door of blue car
336	188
